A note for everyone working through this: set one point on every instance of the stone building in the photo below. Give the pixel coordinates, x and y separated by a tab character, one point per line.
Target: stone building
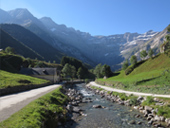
51	74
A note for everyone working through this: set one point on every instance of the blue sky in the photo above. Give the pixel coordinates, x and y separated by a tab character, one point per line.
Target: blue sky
100	17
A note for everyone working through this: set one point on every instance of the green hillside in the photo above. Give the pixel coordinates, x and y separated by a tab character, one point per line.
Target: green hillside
32	41
8	79
152	75
13	62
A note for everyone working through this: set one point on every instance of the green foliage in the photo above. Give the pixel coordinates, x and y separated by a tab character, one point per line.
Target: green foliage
123	96
133	60
43	112
129	70
87	81
69	70
80	73
97	71
125	64
13	63
9	50
143	54
72	61
164	111
149	101
106	71
133	100
150	53
168	28
77	64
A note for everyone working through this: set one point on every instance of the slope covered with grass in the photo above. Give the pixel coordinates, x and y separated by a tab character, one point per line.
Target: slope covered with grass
8	79
152	75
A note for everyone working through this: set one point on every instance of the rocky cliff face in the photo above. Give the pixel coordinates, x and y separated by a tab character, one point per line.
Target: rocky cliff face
111	50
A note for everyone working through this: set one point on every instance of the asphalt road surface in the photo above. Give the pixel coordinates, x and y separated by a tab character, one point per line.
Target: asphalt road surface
12	103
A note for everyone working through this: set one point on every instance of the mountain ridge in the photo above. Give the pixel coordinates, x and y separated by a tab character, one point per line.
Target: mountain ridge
88	48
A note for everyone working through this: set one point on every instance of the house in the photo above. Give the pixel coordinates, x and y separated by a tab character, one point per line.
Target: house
51	74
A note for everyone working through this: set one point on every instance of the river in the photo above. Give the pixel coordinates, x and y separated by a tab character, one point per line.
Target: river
112	116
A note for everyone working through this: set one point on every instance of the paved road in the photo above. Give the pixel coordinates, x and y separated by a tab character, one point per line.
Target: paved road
12	103
127	92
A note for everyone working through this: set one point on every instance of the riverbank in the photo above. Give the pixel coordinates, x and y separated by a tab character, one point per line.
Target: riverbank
155	110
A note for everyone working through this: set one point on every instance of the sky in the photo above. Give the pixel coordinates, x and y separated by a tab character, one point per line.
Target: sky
100	17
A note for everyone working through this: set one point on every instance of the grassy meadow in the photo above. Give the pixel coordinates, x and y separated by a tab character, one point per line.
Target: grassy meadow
151	76
8	79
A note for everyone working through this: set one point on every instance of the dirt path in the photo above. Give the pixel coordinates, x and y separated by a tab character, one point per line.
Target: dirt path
127	92
12	103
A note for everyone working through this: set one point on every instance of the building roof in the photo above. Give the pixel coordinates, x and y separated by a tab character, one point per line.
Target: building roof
38	71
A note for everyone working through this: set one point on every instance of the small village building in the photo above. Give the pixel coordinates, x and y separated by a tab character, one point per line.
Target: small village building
51	74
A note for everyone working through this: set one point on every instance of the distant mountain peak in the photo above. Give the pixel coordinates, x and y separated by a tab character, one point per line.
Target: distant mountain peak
19	12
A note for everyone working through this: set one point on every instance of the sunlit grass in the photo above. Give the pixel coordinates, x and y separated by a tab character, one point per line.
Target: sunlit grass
8	79
151	76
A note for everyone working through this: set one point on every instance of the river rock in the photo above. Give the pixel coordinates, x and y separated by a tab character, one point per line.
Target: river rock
69	107
137	116
141	108
121	102
97	106
151	121
74	103
149	109
76	109
167	120
127	103
160	104
136	107
139	122
140	99
132	122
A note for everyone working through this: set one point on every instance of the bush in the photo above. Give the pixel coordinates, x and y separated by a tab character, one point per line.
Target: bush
149	101
129	70
133	100
164	111
123	96
87	81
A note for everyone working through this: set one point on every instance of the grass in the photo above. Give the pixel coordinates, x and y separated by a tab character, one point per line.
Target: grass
8	79
43	112
150	76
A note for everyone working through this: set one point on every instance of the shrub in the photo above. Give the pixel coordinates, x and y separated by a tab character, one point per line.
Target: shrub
87	81
133	100
149	101
129	70
164	111
123	96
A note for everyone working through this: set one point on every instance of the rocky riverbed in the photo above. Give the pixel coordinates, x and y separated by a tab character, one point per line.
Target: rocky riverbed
89	110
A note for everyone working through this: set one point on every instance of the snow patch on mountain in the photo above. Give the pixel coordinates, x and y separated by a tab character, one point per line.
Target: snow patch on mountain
53	29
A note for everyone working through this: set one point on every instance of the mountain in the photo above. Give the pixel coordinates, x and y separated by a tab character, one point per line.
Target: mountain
20	48
5	17
111	50
46	51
